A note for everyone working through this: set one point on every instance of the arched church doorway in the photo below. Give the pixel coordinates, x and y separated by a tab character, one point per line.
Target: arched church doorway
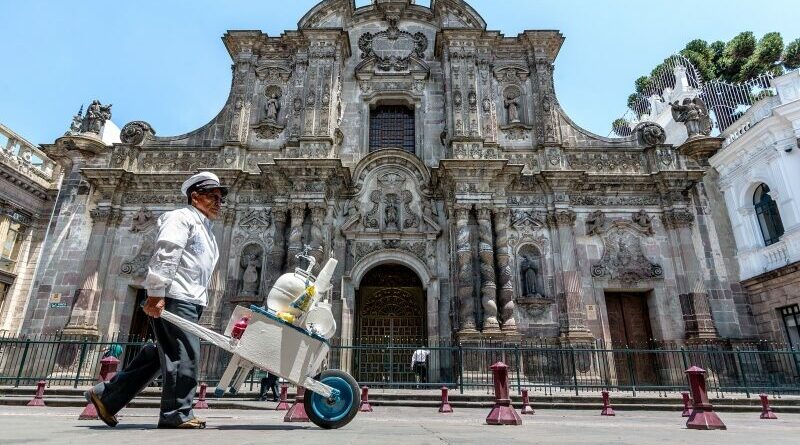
390	313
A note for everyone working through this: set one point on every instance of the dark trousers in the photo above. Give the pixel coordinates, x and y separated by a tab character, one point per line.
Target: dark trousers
175	356
269	383
421	371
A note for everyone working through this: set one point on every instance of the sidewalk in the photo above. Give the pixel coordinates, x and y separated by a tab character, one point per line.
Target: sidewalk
394	425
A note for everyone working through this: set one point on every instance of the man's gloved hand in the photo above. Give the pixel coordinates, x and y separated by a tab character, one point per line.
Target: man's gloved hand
153	306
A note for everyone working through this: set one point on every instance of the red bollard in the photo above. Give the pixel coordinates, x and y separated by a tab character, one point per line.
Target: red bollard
503	412
687	404
607	409
526	403
766	411
297	413
108	369
703	416
201	398
38	399
365	407
445	406
283	404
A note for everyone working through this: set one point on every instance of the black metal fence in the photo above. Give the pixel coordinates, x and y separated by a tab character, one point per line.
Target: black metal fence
538	366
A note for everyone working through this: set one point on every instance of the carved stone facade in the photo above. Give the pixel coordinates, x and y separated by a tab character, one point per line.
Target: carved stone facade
517	222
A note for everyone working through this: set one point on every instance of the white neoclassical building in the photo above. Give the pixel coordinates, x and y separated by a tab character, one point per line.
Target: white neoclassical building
759	175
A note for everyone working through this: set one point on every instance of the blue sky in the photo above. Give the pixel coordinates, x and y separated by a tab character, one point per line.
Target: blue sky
164	62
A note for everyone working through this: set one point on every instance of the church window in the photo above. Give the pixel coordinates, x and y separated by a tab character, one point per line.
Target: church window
769	219
391	126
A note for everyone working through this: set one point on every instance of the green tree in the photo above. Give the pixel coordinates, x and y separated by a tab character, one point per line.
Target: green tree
791	57
736	54
765	59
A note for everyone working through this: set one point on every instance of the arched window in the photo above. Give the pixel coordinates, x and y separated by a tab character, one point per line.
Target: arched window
391	126
769	219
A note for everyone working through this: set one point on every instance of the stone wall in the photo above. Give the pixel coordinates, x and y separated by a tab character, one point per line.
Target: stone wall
768	293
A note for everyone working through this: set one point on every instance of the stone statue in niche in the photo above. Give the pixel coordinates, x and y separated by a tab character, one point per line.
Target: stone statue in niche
512	104
268	127
251	263
141	220
273	107
529	272
391	213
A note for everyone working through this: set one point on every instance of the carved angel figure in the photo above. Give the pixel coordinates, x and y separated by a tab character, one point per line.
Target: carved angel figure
595	222
694	114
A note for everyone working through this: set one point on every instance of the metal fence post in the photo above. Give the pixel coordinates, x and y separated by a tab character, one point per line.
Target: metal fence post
631	369
742	372
519	365
22	362
574	368
460	369
80	364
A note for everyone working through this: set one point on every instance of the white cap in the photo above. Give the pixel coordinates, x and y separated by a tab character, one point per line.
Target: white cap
208	180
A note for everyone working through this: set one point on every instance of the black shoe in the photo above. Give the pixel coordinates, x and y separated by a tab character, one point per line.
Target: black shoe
102	412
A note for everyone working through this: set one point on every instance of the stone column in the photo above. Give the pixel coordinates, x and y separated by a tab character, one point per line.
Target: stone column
278	254
488	285
506	296
83	318
5	224
317	238
466	303
298	212
693	295
572	317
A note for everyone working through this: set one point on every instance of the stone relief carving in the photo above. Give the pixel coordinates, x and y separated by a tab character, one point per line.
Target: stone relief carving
678	218
393	48
371	218
364	248
134	133
623	258
250	262
184	161
606	200
607	162
595	222
644	221
137	266
142	220
410	219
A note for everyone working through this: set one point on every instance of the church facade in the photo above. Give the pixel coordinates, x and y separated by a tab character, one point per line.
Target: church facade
431	157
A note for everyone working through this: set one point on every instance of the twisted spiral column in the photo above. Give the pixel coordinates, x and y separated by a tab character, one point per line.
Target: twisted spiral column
488	285
466	305
295	234
506	295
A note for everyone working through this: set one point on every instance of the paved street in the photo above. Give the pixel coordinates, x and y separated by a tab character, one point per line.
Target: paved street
390	425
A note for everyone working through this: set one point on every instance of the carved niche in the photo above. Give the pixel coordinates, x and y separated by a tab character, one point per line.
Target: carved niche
623	258
254	225
269	127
